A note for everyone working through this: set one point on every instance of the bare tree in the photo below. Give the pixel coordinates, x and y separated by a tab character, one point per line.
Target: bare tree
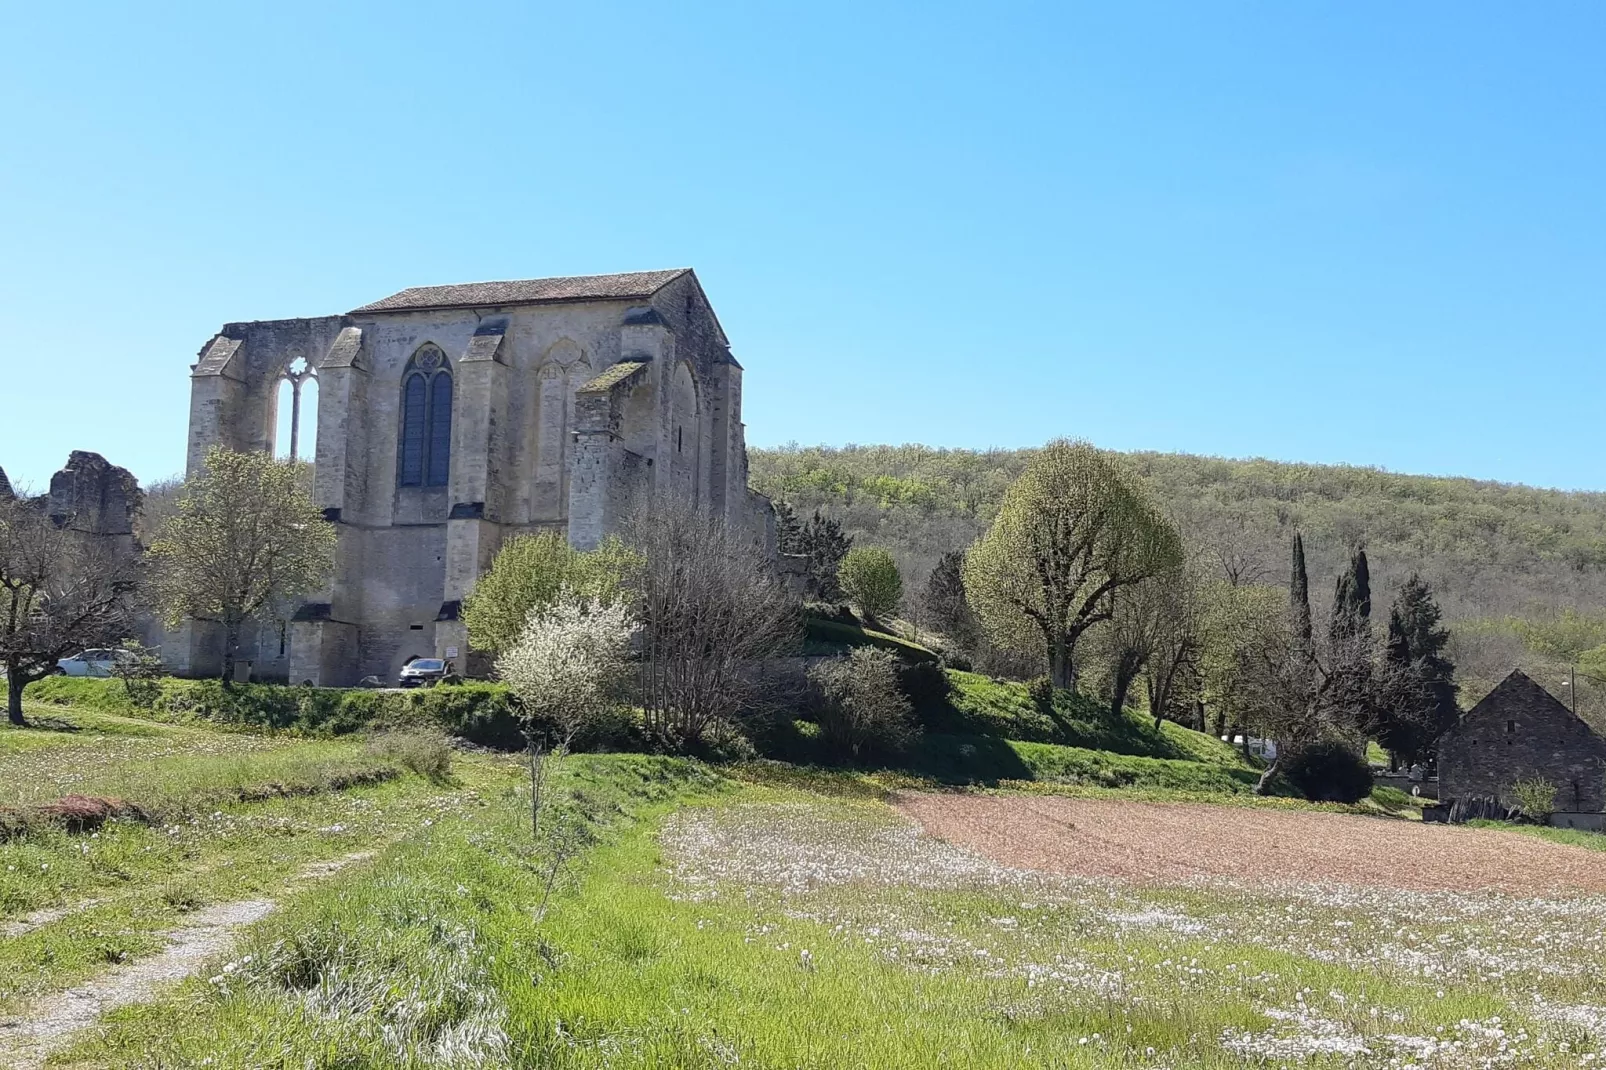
711	611
1236	554
60	591
1296	690
245	534
864	713
1153	635
1178	643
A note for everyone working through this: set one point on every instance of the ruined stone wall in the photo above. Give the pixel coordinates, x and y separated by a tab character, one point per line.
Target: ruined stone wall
1518	732
526	452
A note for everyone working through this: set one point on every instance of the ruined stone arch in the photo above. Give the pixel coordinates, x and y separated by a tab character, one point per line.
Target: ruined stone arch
424	441
294	408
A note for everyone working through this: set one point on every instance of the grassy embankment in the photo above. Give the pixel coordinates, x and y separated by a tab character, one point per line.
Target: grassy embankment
717	922
212	817
980	732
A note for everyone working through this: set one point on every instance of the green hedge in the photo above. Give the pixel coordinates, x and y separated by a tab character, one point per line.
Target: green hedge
479	713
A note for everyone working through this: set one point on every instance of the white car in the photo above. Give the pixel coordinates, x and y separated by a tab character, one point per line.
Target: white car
90	663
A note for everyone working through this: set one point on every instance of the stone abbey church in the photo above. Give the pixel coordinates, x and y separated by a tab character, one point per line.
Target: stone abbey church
451	418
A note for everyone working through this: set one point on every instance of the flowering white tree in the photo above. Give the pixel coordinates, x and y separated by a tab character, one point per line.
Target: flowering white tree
567	668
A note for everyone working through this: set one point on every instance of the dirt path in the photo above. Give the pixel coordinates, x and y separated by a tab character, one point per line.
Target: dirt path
1167	842
26	1042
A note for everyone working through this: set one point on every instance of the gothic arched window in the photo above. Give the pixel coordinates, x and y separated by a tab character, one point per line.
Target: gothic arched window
426	420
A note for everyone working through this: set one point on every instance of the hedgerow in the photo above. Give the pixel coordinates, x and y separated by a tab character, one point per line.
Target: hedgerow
477	712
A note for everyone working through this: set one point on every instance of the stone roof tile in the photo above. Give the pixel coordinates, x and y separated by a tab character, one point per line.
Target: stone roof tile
612	377
632	285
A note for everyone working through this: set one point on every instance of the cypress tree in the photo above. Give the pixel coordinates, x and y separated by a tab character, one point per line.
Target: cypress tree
1299	591
1352	600
945	594
1419	622
1416	643
1362	582
788	531
825	544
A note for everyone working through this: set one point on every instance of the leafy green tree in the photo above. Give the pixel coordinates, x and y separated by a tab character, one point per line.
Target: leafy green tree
869	577
1072	531
1564	636
1233	620
944	599
529	573
246	534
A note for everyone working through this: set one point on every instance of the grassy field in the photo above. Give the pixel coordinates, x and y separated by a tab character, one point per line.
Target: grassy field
776	917
221	816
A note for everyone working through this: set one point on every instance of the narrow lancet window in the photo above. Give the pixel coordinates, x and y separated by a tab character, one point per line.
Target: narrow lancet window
426	421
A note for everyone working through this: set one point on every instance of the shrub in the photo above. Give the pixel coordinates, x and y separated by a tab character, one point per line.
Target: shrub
1535	798
1040	689
568	664
139	668
863	714
924	683
1329	771
426	753
869	577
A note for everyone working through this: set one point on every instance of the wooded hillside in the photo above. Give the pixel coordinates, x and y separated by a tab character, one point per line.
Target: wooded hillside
1496	554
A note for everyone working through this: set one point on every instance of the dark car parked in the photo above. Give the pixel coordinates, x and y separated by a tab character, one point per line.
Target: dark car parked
423	672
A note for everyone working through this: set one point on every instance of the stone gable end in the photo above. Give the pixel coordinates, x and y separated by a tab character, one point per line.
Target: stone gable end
1521	731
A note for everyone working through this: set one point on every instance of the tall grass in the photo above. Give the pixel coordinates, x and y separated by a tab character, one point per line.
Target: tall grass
776	929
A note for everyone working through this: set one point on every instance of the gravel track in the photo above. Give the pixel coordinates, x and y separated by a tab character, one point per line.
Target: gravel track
1169	842
26	1042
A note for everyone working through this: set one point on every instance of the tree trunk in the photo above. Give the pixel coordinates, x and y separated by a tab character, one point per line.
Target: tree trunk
1263	785
14	685
1123	684
231	647
1059	666
537	781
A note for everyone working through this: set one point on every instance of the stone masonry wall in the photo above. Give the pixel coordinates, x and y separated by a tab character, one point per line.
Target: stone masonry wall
1520	731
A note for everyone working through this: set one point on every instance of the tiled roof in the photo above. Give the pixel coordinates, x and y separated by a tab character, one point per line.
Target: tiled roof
628	286
613	377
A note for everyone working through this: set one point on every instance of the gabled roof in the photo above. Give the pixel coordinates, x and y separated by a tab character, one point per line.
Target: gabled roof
633	285
1520	690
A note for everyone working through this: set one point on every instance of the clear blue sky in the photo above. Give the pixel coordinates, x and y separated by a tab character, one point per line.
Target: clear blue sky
1353	231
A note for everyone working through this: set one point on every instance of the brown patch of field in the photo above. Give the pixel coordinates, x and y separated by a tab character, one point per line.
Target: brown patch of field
1167	842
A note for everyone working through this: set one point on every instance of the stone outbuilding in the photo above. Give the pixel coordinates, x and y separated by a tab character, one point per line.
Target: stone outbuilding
1520	731
452	418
